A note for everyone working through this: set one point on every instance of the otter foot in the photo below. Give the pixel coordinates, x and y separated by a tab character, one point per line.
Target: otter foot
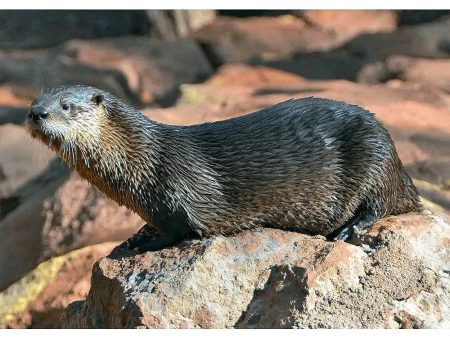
141	238
356	224
151	239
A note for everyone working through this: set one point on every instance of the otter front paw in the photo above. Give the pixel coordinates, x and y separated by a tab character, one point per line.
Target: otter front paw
141	240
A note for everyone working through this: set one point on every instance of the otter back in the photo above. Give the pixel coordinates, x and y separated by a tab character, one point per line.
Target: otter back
306	165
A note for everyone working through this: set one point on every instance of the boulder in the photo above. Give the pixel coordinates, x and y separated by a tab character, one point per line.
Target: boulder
48	68
429	40
45	28
152	68
335	64
228	39
393	276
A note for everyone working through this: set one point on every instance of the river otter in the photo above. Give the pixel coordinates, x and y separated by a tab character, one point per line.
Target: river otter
312	165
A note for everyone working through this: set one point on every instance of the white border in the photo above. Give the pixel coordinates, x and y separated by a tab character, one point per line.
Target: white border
228	4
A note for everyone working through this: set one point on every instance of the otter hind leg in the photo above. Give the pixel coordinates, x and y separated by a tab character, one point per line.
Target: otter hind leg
363	219
153	239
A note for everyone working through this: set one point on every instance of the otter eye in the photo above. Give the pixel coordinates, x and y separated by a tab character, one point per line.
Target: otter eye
65	106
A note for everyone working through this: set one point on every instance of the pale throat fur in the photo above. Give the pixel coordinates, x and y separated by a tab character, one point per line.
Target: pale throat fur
130	162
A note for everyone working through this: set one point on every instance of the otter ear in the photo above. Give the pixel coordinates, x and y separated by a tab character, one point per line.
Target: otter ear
97	98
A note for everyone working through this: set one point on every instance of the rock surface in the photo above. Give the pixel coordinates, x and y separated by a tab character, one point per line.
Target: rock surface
396	275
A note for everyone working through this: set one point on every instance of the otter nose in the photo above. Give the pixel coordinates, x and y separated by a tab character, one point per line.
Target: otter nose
37	113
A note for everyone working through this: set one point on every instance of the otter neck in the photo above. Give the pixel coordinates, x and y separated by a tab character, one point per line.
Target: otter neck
122	162
149	169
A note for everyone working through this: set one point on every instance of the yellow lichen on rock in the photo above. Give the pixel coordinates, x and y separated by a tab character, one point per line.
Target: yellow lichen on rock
16	297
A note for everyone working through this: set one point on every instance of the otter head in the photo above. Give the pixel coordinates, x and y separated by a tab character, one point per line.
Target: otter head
66	118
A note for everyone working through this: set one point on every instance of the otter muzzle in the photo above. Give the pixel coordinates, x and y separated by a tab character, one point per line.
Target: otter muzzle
37	113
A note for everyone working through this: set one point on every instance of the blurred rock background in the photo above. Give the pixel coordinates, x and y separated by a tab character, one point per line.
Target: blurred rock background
186	67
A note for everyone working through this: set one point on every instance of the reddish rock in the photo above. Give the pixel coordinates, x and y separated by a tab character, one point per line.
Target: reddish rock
342	25
394	275
229	40
14	101
230	92
153	68
16	96
350	23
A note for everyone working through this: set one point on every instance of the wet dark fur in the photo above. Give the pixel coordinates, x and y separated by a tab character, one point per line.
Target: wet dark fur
311	165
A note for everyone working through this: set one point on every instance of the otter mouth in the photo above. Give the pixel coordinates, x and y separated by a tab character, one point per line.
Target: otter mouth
41	132
55	139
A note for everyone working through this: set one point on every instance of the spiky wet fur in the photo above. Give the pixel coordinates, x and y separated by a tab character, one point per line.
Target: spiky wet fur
305	165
